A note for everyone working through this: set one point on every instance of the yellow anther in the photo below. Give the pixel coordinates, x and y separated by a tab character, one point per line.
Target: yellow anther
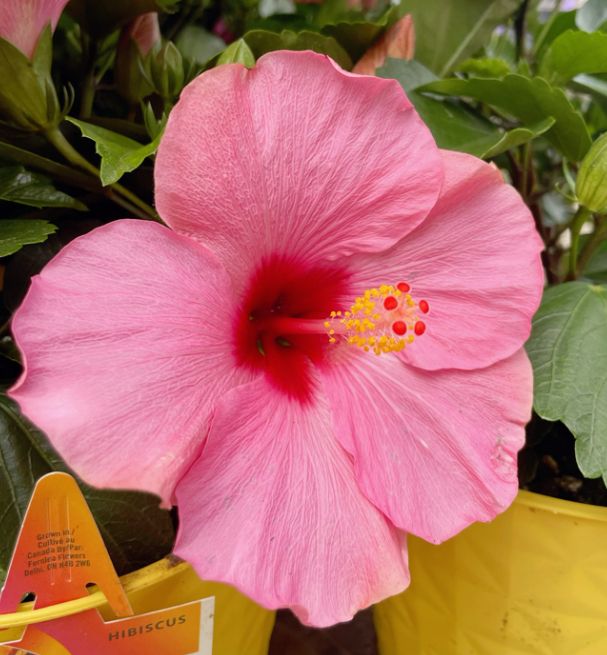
381	319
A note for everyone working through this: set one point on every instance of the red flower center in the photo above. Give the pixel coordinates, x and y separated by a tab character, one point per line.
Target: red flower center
287	321
280	325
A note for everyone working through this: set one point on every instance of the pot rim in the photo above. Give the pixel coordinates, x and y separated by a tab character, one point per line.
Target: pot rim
545	503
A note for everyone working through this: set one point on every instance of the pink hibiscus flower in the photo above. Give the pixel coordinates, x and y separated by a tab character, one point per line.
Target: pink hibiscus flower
22	21
228	363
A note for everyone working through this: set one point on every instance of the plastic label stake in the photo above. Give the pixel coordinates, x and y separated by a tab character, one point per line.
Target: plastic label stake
58	553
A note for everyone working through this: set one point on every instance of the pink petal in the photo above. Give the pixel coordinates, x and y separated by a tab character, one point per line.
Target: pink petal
22	21
123	337
435	451
294	157
476	260
272	508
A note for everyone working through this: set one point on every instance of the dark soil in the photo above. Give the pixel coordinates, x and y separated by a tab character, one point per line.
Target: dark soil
547	466
357	637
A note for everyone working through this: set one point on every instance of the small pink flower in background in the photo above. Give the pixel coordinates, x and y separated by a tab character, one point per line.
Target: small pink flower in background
137	39
145	31
22	21
228	363
222	30
397	42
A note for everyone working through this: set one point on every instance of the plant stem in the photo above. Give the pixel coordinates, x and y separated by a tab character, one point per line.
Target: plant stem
88	94
125	204
117	192
523	178
56	138
519	29
89	82
595	240
581	216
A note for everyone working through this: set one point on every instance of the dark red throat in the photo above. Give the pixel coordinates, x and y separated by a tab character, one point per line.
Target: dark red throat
282	287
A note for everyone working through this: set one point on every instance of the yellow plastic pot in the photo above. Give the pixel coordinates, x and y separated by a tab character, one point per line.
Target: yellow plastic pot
240	626
532	582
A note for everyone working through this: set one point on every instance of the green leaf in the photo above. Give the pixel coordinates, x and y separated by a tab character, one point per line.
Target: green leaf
27	96
595	86
518	136
32	189
271	7
237	52
596	269
42	58
357	36
136	532
15	233
262	41
410	74
197	45
592	16
530	100
58	171
573	53
485	67
449	32
453	126
558	23
119	154
568	350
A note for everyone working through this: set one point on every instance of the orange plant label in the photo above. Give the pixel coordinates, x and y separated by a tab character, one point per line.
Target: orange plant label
59	551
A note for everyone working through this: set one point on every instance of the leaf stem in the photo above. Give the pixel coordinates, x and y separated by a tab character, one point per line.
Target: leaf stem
580	217
119	194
